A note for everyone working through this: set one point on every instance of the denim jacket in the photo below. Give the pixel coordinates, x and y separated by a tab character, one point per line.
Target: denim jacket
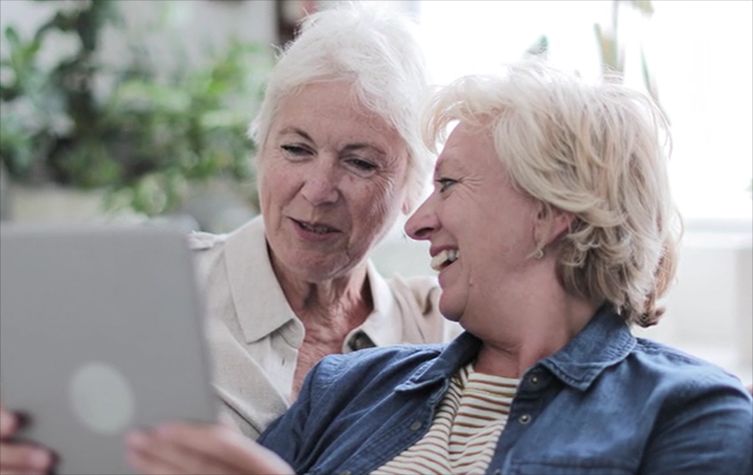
607	403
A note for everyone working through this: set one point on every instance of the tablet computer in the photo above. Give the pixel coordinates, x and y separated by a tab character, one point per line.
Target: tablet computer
100	332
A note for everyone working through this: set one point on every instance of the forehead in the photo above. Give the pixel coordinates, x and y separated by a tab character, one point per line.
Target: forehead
332	109
466	148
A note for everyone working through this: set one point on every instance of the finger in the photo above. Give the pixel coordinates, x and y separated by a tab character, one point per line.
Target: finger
143	461
13	471
24	457
19	471
215	442
227	446
170	454
8	423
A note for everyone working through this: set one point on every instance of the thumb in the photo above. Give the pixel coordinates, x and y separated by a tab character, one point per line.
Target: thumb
8	423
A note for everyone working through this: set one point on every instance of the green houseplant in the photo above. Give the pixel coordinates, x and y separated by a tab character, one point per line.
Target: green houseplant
142	134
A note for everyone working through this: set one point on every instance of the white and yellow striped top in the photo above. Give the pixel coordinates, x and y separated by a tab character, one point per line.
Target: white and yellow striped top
465	430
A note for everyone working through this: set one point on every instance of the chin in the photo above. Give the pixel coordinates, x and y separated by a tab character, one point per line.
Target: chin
449	311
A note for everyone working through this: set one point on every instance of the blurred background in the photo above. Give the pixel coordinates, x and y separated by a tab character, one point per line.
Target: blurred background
134	111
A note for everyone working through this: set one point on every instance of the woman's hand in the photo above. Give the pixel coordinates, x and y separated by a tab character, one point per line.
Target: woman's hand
16	457
192	448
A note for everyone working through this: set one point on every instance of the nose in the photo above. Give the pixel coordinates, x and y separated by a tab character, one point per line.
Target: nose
320	184
423	222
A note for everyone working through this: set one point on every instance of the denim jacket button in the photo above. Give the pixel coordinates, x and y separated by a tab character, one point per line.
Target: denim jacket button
415	426
535	379
524	419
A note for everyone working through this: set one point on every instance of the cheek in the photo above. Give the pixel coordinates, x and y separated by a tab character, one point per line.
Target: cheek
374	205
276	182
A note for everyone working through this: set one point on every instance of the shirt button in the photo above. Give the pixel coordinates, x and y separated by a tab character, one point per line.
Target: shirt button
415	426
360	341
524	419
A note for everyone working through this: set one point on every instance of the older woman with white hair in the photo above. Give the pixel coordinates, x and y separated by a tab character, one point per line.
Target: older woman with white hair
340	158
553	232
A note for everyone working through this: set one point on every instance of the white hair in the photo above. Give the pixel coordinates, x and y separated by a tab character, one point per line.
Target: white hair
596	151
374	49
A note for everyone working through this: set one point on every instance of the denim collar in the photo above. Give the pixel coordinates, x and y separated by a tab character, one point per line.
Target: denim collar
604	341
456	354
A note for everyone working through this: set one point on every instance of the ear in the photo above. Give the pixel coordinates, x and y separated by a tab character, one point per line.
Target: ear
551	224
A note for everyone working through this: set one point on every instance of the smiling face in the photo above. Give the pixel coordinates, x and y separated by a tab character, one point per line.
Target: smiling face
332	181
476	216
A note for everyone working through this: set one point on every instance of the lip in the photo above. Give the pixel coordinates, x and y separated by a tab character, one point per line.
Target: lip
306	235
334	229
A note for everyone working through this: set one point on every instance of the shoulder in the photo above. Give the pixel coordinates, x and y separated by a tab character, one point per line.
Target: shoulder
201	241
701	414
684	378
418	299
221	258
252	231
207	250
373	364
421	290
380	356
667	360
243	243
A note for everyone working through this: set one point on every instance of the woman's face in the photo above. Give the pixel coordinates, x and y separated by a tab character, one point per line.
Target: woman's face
474	211
332	181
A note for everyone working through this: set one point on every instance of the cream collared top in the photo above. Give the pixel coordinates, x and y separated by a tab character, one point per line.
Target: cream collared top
254	336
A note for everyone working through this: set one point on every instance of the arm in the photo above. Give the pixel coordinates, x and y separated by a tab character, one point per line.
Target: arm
710	431
17	457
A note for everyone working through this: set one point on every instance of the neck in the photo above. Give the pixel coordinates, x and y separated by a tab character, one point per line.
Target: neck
531	325
342	300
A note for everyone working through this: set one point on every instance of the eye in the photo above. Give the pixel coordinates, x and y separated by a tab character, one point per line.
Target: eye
296	151
362	164
445	183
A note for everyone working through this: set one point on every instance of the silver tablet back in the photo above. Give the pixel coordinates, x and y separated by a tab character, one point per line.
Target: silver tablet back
100	331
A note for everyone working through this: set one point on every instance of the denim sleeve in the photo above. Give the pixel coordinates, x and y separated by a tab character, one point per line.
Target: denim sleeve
703	432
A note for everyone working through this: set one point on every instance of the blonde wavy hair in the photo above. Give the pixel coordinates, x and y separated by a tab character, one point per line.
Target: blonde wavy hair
598	152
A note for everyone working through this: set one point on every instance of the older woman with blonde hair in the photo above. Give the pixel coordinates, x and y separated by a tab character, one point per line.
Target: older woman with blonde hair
553	232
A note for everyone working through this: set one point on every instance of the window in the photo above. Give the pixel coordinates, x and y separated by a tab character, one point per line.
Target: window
700	54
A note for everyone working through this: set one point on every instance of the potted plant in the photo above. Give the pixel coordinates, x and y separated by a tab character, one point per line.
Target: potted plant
141	136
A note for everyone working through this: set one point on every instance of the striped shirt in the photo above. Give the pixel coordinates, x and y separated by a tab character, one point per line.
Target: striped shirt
464	433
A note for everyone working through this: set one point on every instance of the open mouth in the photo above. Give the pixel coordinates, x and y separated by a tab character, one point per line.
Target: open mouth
444	259
315	227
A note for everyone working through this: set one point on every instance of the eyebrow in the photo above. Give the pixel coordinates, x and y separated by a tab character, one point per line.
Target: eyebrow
361	146
440	163
297	131
444	161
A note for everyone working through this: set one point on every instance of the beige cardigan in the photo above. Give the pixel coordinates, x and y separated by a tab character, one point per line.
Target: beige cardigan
254	335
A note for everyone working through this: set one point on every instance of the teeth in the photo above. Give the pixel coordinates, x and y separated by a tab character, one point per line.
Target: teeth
319	229
444	258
